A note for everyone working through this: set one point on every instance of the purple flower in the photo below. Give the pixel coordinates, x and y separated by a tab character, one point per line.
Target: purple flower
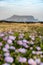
19	42
5	38
1	34
37	61
7	54
25	41
10	32
9	59
7	46
12	47
25	45
21	36
22	50
12	37
0	44
9	41
39	52
22	59
5	64
31	62
41	63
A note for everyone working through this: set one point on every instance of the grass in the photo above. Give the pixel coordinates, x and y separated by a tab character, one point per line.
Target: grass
24	27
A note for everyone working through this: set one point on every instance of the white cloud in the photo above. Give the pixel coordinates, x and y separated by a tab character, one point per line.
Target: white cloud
21	7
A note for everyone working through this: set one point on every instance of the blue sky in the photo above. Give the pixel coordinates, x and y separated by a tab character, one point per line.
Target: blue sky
21	7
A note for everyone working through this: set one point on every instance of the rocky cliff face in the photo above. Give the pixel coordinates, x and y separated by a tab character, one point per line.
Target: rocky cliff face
17	18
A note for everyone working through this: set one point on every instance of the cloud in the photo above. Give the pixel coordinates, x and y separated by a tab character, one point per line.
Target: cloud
19	2
22	1
20	7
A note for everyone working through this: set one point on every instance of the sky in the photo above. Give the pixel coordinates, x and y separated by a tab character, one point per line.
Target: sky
21	7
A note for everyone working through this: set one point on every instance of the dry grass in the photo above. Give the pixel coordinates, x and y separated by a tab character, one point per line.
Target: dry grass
20	26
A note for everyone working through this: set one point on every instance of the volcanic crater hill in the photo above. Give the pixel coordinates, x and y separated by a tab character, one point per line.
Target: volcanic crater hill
18	18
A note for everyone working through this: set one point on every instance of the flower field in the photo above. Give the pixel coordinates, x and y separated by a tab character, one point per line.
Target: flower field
22	48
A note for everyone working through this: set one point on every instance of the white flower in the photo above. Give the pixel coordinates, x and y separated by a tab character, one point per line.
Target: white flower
31	42
31	48
32	37
33	52
5	50
38	48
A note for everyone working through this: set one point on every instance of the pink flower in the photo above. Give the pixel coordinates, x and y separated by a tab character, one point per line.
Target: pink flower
12	37
22	59
1	34
31	62
0	44
5	38
25	41
12	48
41	63
21	36
9	41
19	42
39	52
9	59
5	64
7	46
25	45
22	50
7	54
